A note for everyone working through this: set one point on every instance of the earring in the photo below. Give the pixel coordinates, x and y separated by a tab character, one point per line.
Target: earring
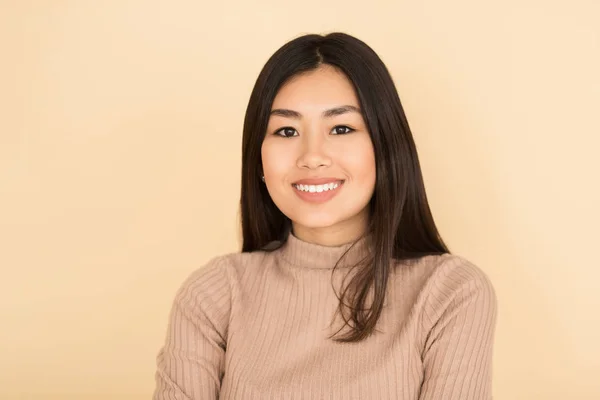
263	178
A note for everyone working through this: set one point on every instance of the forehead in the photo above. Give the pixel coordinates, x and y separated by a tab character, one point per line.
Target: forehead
318	89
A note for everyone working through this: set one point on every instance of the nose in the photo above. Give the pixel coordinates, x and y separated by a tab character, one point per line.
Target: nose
314	153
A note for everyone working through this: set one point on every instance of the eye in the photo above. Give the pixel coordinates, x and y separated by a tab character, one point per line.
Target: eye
286	132
341	130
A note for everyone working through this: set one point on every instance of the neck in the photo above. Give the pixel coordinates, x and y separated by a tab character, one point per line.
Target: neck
336	235
301	253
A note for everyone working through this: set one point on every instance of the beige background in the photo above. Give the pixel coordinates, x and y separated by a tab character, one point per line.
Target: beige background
120	139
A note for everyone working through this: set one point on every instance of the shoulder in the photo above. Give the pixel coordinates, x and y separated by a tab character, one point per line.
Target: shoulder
452	280
458	269
450	272
219	274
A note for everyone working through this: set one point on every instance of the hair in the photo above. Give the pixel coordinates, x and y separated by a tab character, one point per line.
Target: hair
401	226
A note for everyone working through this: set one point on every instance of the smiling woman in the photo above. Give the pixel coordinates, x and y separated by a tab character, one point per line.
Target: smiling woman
331	182
321	175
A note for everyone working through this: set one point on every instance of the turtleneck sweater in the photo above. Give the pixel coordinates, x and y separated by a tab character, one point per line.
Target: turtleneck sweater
257	325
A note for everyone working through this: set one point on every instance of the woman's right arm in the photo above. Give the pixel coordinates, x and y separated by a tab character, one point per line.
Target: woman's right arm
190	365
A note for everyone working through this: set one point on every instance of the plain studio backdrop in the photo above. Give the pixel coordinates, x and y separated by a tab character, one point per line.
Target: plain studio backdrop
120	147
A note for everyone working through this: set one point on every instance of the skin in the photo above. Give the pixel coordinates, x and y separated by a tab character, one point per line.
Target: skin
315	146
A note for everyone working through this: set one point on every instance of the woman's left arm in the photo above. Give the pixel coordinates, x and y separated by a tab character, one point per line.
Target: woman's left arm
461	320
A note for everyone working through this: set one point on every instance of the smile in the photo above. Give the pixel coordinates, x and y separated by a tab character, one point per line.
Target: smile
318	188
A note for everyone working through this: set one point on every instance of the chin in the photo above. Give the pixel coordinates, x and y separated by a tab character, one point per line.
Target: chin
316	221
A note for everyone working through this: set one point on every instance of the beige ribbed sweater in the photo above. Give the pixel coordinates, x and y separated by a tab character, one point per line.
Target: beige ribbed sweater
254	326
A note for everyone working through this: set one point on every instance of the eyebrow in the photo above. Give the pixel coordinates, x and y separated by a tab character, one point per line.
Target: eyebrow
282	112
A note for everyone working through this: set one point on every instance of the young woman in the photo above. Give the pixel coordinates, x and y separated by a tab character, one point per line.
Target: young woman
343	288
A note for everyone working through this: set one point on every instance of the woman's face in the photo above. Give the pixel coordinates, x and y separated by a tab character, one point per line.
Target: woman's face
318	158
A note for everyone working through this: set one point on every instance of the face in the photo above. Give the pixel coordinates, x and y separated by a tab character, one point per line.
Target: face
318	158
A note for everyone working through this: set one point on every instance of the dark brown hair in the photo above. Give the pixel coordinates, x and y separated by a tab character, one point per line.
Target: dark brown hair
401	225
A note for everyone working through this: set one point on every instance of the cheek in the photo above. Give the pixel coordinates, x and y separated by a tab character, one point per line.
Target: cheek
361	161
275	158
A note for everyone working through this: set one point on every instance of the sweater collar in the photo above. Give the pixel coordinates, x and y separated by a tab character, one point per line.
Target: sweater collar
311	255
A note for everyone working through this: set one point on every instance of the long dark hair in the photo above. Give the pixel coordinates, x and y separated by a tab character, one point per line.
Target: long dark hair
401	225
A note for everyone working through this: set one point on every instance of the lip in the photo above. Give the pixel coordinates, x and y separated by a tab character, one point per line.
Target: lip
318	197
316	181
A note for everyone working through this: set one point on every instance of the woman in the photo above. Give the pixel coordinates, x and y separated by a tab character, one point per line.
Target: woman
344	288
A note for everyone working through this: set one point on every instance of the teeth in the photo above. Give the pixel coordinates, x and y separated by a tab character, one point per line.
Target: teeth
317	188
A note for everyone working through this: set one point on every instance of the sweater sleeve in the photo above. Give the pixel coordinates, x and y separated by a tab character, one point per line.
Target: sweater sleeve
190	365
460	318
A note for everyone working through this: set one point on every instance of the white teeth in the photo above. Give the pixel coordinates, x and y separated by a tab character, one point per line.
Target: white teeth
318	188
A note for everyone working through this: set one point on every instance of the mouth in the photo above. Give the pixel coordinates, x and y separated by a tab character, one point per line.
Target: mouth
324	187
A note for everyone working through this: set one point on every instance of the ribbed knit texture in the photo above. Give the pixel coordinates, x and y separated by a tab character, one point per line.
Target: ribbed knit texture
255	326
